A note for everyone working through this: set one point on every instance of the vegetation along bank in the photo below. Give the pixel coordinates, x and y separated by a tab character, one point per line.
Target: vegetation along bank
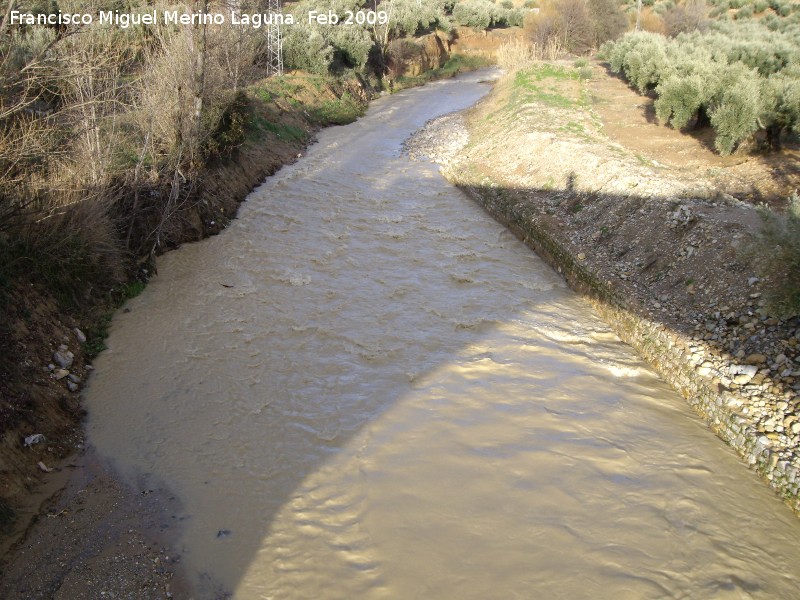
639	176
119	144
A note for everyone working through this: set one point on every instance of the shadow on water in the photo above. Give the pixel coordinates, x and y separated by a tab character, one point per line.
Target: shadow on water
368	388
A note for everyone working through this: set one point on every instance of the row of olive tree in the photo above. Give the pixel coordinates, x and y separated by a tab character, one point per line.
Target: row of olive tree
483	14
741	78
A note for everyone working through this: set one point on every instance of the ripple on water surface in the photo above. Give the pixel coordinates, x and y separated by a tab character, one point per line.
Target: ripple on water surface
390	397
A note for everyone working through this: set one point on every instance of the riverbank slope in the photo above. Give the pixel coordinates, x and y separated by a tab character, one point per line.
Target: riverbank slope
95	533
652	226
67	520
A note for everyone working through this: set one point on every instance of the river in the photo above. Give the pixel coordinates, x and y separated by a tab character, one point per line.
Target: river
367	388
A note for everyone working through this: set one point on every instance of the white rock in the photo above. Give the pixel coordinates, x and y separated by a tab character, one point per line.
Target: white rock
36	438
747	370
63	357
80	335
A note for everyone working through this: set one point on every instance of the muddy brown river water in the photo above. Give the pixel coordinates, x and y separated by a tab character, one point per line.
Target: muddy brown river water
367	388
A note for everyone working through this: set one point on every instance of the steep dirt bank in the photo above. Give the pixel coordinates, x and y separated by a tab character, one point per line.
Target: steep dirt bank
90	536
651	224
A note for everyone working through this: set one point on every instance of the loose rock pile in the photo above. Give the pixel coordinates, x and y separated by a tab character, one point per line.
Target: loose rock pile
63	361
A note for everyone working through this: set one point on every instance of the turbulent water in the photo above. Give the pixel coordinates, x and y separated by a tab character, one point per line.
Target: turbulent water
366	388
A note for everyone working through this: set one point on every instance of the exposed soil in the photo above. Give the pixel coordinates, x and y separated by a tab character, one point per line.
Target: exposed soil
98	538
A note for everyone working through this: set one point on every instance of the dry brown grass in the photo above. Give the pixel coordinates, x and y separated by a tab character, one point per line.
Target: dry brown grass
515	54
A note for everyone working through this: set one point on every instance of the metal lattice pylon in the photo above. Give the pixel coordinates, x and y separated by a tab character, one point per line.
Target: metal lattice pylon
275	39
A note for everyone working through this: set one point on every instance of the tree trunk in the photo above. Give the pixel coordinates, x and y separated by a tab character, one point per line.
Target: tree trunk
7	16
774	136
199	42
638	14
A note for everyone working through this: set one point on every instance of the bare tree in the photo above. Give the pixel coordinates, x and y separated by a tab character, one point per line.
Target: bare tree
575	25
688	17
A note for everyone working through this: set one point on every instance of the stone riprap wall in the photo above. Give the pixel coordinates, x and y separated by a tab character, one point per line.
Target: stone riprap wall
722	393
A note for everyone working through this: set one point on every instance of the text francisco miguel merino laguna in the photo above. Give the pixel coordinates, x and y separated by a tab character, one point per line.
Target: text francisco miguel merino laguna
168	17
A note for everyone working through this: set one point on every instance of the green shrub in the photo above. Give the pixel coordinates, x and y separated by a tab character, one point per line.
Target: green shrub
780	108
760	6
305	47
410	16
660	8
775	4
736	108
352	45
474	13
777	254
718	13
771	21
644	66
743	76
680	99
511	18
229	132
